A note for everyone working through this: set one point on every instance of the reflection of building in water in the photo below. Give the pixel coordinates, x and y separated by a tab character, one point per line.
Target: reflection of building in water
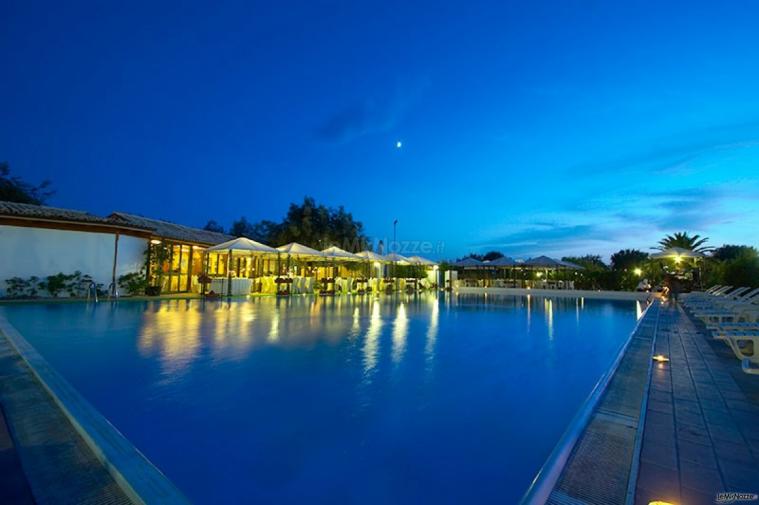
529	311
274	329
548	306
432	329
371	342
172	332
638	310
400	331
356	328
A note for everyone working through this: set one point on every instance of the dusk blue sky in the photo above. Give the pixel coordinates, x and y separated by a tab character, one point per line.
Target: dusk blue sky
533	127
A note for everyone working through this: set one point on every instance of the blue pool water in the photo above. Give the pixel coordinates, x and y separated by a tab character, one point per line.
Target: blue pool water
338	400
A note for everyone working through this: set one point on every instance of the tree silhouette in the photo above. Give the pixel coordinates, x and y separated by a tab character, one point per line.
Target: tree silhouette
14	189
685	241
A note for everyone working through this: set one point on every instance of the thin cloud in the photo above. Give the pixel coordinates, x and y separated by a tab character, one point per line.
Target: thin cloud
627	221
676	157
354	121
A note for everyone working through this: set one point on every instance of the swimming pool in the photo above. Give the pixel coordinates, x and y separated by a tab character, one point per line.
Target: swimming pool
427	399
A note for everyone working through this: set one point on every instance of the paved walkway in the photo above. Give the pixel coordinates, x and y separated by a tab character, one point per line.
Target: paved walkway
13	485
701	432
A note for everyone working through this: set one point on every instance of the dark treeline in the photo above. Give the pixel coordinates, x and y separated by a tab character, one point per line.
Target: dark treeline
736	265
311	224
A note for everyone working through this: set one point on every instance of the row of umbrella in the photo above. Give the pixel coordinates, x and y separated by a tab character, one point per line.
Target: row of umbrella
539	262
546	262
297	250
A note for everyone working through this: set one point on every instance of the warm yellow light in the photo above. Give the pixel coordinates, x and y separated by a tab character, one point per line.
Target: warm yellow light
659	502
638	272
540	274
377	264
155	241
660	358
678	259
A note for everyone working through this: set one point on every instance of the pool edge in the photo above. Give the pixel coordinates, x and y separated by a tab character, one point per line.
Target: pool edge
137	477
550	473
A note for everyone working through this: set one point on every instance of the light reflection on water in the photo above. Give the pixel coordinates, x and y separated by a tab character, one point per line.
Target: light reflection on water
548	309
400	331
371	342
337	399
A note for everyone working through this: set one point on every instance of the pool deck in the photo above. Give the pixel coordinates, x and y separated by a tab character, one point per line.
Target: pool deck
678	432
45	458
702	424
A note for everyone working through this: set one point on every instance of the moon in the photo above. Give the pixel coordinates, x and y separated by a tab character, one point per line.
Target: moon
398	144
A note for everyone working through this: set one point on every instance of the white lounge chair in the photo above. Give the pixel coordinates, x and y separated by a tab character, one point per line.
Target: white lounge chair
724	300
745	346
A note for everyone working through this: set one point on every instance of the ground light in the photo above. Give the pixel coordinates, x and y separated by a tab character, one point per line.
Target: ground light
661	359
658	502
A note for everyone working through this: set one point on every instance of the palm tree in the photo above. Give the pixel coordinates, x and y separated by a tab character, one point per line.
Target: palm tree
683	240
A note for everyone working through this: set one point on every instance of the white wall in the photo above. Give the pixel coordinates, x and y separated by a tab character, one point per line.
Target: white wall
38	251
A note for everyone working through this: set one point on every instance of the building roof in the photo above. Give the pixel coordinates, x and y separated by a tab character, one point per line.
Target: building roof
171	231
30	211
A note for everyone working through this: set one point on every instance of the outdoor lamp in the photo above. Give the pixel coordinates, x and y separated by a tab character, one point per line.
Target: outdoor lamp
660	358
638	272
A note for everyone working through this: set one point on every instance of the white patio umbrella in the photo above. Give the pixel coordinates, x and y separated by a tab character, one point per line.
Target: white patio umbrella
542	262
503	261
468	263
242	244
296	249
397	258
337	253
418	260
676	253
371	256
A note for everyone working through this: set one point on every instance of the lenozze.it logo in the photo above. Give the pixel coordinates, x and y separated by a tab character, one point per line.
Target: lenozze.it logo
724	498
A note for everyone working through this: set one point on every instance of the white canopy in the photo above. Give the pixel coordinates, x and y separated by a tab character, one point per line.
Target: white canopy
397	258
418	260
371	256
468	262
296	249
677	252
336	252
242	244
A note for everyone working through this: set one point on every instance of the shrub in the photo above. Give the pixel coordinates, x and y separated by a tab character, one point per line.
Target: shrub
22	288
743	270
134	282
71	284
